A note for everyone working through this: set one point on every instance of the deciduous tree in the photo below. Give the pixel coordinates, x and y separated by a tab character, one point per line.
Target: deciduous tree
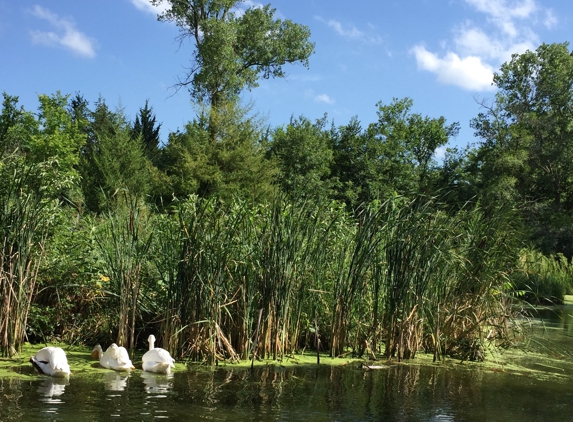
234	47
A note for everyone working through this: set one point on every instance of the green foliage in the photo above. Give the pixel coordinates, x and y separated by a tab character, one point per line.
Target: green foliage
233	50
404	145
27	210
123	240
57	137
71	305
50	136
303	152
146	129
543	279
527	153
12	125
233	165
112	159
349	167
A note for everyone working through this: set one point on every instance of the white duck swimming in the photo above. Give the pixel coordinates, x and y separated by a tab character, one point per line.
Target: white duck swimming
51	361
115	357
156	359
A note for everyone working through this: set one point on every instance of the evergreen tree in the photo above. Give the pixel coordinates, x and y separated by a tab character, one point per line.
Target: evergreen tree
147	128
112	158
234	165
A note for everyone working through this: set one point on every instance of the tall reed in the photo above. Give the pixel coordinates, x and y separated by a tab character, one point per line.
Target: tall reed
355	261
292	242
404	274
123	241
543	279
476	302
26	213
414	235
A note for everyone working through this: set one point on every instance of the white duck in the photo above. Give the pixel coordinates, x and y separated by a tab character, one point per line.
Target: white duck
156	359
115	357
51	361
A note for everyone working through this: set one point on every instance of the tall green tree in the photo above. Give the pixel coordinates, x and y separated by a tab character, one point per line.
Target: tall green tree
57	136
404	144
234	48
527	142
11	120
393	155
349	161
112	158
235	165
304	157
147	128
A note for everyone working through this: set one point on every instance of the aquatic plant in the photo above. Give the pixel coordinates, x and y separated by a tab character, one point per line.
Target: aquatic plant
27	211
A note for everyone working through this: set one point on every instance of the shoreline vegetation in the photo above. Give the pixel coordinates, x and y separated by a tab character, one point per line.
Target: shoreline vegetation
541	363
224	281
235	241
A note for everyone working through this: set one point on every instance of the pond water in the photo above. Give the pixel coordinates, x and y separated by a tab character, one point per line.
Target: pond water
394	393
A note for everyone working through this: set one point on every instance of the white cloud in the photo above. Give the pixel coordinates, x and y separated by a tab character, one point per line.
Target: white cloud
440	153
469	73
146	6
65	34
323	98
550	20
319	98
351	32
469	60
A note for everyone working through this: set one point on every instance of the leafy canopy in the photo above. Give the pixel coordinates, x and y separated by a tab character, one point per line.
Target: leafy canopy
234	48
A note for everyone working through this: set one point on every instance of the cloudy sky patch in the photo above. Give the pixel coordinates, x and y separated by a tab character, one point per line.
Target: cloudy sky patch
64	34
477	50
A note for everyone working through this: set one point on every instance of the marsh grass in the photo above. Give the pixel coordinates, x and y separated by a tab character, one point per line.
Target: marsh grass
225	281
26	214
123	240
541	279
403	276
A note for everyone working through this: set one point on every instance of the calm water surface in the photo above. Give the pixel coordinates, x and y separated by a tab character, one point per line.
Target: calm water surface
396	393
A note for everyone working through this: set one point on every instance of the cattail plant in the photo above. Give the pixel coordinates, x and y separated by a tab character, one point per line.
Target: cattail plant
477	305
354	264
416	245
26	213
294	238
123	241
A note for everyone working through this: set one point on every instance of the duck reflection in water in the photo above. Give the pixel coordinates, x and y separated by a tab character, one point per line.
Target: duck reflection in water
52	387
115	381
157	383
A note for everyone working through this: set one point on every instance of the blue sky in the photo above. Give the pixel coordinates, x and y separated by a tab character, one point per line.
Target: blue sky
440	53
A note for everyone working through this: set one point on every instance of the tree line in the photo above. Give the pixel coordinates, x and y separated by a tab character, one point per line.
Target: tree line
234	239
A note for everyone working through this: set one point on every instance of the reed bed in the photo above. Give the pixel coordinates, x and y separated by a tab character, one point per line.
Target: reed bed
543	279
26	215
123	241
243	280
230	280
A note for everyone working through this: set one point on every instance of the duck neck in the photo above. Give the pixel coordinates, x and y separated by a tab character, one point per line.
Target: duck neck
151	344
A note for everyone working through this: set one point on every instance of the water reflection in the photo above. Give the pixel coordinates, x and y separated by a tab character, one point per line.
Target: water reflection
50	391
554	316
52	387
115	381
396	393
156	384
